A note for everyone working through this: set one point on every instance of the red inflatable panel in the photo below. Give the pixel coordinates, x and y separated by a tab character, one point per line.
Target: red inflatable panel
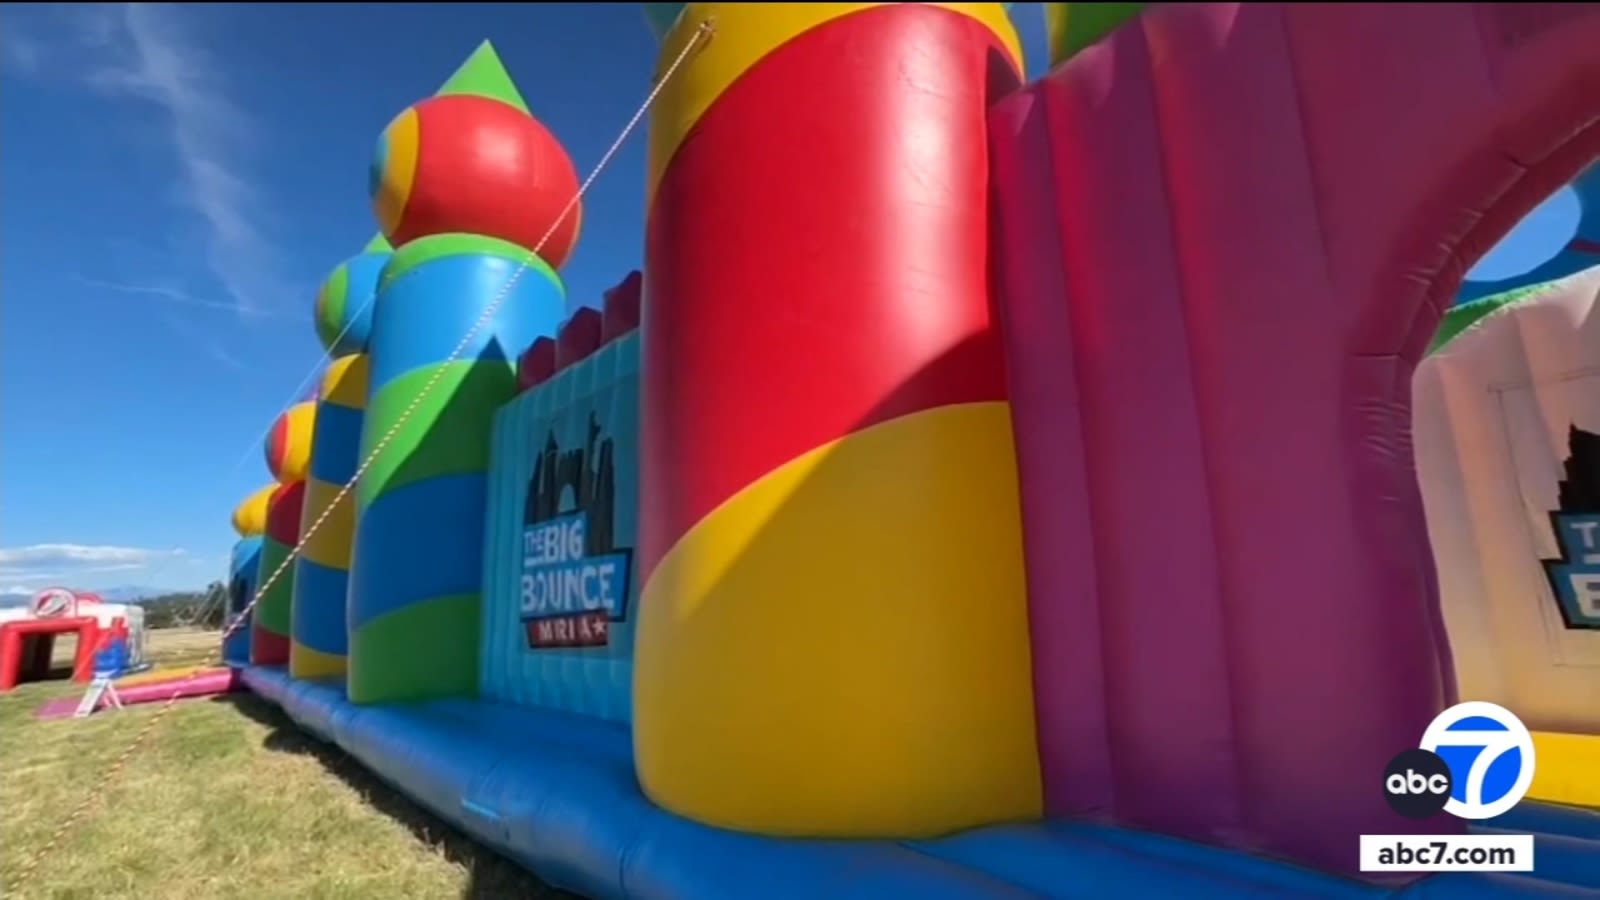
579	337
537	364
622	307
268	649
26	644
821	270
283	513
484	167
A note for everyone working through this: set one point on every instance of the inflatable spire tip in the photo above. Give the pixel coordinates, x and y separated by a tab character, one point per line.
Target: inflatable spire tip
484	75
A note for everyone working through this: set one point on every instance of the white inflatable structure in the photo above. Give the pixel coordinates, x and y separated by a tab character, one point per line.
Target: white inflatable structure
106	614
1507	431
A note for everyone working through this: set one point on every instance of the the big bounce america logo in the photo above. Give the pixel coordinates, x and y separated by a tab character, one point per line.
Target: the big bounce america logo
1575	576
1475	762
574	578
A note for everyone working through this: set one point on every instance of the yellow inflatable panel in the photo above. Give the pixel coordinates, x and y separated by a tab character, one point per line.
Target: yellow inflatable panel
289	443
250	516
1566	768
329	545
746	32
307	663
154	675
800	671
345	382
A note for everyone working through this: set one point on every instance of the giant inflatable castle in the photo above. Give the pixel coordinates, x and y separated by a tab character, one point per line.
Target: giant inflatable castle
987	489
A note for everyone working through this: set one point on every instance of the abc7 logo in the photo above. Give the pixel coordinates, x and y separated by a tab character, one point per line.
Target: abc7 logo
1420	783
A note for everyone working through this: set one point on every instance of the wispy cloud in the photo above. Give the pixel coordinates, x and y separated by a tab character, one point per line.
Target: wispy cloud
19	52
209	344
161	293
38	563
156	55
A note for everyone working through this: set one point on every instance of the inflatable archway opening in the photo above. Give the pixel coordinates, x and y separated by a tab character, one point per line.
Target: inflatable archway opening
1507	431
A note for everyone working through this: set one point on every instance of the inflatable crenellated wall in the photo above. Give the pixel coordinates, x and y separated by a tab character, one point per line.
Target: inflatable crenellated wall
986	489
561	597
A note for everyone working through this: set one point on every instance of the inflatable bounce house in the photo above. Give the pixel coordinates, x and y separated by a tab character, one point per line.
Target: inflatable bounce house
987	489
110	637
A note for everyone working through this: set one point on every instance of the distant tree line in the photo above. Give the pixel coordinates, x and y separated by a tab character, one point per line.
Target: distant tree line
188	609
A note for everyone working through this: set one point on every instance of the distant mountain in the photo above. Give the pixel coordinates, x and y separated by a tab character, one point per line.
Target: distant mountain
128	593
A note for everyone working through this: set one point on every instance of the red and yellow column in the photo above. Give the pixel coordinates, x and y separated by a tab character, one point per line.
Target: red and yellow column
833	632
288	451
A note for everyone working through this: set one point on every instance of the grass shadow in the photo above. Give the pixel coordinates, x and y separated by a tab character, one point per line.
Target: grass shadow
490	876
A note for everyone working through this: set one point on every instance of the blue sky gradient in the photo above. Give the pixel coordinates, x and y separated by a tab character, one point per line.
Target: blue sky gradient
179	179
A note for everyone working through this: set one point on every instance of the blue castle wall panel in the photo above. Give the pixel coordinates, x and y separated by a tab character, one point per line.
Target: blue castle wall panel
560	591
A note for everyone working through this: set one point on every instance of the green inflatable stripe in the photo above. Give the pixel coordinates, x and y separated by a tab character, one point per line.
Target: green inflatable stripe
448	432
273	607
420	652
1070	27
336	294
484	75
1462	317
378	244
439	246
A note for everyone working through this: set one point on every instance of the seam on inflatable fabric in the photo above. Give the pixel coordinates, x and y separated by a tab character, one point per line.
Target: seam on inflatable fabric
482	811
1229	661
1565	375
416	269
825	446
1095	541
622	860
924	852
1297	86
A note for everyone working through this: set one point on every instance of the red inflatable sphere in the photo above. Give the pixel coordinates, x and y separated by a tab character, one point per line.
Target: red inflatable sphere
465	163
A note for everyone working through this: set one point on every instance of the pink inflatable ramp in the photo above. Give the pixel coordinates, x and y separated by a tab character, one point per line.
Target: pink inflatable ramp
204	683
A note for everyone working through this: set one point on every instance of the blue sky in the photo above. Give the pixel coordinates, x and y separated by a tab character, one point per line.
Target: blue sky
178	180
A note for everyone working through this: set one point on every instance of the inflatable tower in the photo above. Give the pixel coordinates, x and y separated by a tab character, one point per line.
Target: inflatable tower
250	523
343	318
288	451
826	450
465	186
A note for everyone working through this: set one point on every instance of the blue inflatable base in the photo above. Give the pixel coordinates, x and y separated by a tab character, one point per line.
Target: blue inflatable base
557	794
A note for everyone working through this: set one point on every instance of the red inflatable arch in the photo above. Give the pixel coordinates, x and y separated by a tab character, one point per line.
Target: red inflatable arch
27	645
1258	214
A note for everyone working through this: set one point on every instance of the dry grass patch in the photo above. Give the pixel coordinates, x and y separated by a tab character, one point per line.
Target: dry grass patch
227	798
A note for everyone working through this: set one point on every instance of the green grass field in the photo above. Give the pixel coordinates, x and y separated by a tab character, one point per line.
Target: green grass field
226	799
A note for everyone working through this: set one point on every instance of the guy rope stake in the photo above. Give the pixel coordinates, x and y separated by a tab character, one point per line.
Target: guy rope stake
25	873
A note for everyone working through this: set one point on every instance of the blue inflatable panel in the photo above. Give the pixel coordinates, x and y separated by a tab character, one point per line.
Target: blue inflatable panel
556	792
314	704
270	682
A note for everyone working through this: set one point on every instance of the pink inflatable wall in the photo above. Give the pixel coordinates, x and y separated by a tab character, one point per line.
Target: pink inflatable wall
1223	238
